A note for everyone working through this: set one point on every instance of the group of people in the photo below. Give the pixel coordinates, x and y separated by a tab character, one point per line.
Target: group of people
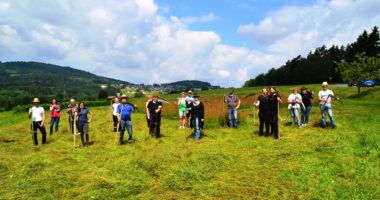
191	113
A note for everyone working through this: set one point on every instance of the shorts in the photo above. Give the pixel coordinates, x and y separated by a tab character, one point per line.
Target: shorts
182	113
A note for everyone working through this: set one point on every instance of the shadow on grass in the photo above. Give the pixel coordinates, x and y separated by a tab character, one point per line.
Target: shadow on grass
363	93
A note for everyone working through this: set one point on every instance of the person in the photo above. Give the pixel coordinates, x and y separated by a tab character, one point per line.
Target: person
37	113
55	110
325	96
274	100
114	114
307	98
150	97
263	104
182	110
83	120
233	103
197	111
124	111
295	101
189	99
71	109
154	114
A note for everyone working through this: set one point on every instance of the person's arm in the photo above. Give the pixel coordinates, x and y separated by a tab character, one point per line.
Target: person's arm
238	106
118	113
279	98
43	119
202	114
90	118
159	109
257	104
290	100
30	112
51	107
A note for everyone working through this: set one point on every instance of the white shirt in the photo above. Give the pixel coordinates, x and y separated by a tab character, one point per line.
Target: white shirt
294	97
114	108
323	94
37	113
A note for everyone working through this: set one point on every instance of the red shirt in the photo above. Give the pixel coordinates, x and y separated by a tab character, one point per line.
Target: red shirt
55	112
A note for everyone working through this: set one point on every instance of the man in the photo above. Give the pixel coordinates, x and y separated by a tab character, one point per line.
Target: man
189	99
233	103
71	110
197	116
38	119
154	115
124	111
324	97
307	98
274	100
264	118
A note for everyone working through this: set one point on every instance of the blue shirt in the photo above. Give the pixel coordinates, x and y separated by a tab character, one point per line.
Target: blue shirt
125	111
82	115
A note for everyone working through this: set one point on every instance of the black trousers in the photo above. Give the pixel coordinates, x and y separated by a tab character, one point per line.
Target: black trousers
264	120
71	125
274	124
115	121
34	127
155	124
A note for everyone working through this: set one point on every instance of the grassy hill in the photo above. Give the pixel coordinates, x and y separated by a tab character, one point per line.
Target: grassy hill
21	81
306	163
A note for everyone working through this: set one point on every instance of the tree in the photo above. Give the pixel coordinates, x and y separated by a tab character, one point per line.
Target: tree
362	68
103	94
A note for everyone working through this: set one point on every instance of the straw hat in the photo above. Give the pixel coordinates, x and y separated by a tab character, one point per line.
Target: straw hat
124	96
72	100
325	84
36	100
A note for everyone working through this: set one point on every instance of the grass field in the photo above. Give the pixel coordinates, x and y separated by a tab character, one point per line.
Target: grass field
306	163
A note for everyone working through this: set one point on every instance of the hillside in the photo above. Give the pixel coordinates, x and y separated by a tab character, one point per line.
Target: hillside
306	163
21	81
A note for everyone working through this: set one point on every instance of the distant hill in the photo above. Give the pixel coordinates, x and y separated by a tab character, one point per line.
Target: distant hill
21	81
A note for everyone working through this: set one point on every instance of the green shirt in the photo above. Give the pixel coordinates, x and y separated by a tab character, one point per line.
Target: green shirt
182	105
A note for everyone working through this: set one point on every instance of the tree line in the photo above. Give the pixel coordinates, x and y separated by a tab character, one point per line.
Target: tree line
322	64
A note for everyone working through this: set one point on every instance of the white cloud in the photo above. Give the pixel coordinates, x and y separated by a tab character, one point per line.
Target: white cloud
294	30
129	40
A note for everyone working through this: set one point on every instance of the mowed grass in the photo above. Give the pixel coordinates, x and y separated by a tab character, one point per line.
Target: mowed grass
306	163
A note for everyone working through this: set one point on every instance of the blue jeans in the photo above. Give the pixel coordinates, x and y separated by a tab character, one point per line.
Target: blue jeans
327	109
306	114
232	116
54	120
197	129
294	112
125	124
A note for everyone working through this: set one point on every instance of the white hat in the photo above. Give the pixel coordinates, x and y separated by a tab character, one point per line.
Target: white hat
325	84
72	100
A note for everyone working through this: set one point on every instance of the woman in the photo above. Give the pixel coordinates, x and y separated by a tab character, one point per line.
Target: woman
182	110
307	98
263	104
82	122
55	115
295	101
114	114
274	100
197	113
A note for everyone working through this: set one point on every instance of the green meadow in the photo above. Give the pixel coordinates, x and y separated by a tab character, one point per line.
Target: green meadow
305	163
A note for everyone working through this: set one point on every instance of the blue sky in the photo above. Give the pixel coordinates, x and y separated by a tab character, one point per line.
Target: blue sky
223	42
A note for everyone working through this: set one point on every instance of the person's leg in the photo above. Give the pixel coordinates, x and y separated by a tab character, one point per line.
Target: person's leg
235	118
297	114
266	122
330	113
230	116
303	116
115	122
261	126
121	131
81	131
34	134
292	115
197	129
43	132
158	127
57	124
323	112
51	125
85	130
71	125
129	129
